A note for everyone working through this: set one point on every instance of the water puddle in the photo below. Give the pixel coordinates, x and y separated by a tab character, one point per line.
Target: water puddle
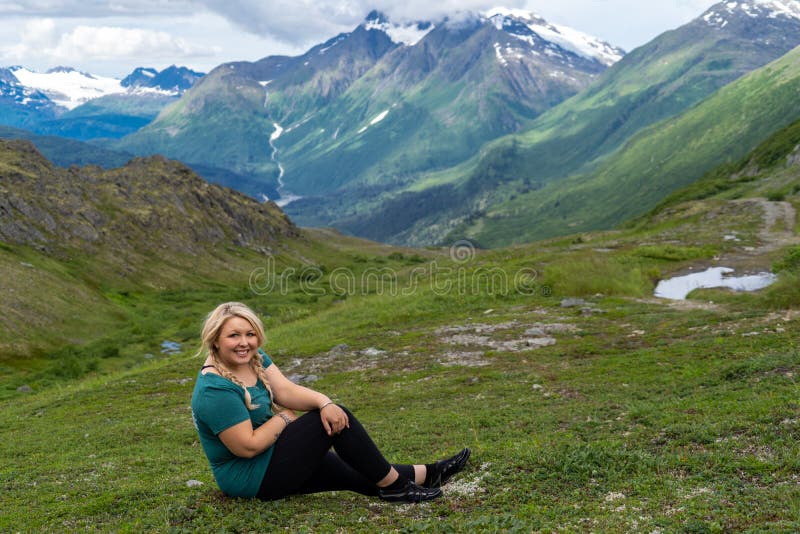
679	287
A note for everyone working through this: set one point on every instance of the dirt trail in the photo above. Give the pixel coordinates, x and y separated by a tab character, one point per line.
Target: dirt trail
777	231
775	213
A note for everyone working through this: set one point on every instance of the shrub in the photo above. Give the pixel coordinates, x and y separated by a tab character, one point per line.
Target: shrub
790	261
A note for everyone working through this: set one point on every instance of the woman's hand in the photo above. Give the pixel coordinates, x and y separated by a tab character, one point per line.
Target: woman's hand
334	419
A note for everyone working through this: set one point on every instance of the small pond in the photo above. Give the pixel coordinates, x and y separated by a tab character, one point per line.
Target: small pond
679	287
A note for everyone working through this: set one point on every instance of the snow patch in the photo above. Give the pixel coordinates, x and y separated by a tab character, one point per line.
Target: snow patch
567	38
265	83
499	55
69	88
323	50
717	16
378	118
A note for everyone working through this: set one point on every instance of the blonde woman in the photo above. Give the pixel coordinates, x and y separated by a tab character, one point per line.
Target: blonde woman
257	449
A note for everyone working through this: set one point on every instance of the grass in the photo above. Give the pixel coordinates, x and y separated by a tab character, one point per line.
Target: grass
641	417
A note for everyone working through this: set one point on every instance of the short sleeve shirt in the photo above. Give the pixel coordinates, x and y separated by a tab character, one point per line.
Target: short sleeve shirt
218	404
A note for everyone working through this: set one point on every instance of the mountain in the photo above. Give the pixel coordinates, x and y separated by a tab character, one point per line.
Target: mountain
22	106
172	79
655	162
378	104
70	103
661	79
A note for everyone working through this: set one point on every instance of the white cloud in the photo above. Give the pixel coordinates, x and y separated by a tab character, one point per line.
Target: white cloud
307	21
95	8
41	39
106	42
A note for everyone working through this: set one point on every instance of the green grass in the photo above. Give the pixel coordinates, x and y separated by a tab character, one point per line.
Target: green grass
642	416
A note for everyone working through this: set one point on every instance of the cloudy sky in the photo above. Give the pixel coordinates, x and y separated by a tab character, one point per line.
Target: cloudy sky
112	37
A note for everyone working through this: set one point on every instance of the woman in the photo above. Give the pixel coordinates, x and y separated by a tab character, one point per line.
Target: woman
257	449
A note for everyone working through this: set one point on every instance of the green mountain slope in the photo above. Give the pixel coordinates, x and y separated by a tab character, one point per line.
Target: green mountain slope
771	170
656	162
224	122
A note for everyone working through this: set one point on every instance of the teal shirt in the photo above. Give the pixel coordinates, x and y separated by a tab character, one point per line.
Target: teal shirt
218	404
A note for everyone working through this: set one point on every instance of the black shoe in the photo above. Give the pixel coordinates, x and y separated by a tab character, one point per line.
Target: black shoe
409	493
445	469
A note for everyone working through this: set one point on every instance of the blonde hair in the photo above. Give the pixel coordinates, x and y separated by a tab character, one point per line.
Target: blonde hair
210	334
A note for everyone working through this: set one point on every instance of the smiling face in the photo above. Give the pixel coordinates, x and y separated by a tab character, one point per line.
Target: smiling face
237	343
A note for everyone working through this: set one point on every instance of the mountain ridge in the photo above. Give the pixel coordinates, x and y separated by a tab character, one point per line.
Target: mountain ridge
335	121
670	74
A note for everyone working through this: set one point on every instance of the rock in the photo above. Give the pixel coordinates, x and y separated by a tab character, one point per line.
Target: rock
572	303
338	350
193	483
372	351
170	347
24	389
535	332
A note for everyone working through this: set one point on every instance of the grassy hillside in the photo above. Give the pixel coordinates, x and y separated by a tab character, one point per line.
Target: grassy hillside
177	134
619	412
654	163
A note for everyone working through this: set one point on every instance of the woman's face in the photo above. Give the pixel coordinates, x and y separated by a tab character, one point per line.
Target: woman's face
237	342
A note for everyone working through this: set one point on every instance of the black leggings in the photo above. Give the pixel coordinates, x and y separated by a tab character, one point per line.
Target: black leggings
302	461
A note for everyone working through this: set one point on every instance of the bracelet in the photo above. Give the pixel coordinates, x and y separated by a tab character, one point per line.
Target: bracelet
327	403
286	418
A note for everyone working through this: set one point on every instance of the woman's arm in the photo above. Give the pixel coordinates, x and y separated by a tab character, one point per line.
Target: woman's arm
294	397
245	442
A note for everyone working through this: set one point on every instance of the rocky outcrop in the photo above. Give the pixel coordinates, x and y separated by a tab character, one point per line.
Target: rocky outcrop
151	204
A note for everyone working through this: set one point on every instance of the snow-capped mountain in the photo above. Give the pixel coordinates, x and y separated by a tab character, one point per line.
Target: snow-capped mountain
68	102
69	88
720	14
173	80
533	29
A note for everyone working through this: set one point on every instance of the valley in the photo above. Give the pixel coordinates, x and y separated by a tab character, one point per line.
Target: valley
454	229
